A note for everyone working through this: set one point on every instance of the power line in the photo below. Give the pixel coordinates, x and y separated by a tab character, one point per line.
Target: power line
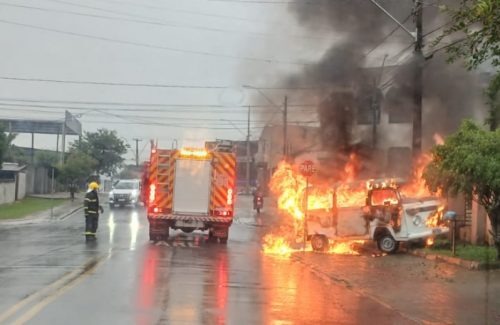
151	46
181	11
387	36
281	2
152	85
144	117
137	105
157	22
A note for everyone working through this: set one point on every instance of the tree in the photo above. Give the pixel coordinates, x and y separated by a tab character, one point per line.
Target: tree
475	29
77	168
469	163
46	159
105	148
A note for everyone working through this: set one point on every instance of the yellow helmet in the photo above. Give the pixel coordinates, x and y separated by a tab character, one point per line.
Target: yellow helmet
93	186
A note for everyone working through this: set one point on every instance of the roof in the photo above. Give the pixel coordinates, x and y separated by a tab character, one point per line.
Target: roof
12	167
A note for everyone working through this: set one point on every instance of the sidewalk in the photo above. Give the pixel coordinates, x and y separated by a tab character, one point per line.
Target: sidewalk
59	212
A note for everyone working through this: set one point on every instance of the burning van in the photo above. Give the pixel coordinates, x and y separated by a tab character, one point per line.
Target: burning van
385	216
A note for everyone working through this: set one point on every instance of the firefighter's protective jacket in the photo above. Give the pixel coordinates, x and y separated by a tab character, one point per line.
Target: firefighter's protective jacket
91	203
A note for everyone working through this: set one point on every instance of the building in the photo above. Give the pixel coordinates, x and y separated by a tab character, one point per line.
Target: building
302	141
12	183
240	149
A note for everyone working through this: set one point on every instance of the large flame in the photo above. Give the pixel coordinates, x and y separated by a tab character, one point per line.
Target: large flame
290	187
416	187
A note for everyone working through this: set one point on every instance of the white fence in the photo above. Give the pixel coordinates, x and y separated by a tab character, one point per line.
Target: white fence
7	192
8	189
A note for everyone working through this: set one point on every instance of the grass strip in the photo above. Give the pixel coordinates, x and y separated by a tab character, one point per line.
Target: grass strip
27	206
469	252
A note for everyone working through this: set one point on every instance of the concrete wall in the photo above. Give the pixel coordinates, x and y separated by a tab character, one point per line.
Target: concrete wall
21	190
37	181
7	191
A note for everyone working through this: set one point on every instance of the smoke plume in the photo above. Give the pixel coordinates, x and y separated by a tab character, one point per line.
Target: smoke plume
351	86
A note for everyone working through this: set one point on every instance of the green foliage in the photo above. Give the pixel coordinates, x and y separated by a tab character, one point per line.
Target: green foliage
9	151
105	147
493	97
77	168
46	159
475	34
469	163
469	252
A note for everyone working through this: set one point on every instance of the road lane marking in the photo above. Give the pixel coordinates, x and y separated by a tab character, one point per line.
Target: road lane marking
50	292
12	310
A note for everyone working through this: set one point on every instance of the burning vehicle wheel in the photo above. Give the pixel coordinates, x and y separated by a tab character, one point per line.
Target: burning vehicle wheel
387	244
319	243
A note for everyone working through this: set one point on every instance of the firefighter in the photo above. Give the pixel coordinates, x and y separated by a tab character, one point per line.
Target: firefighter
92	209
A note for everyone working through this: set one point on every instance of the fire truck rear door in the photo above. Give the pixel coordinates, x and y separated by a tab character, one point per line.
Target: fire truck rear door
192	186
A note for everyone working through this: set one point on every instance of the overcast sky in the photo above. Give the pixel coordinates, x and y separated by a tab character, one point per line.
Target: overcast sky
197	54
179	43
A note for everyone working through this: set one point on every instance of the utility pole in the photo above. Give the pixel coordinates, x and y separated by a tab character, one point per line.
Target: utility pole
248	152
137	151
418	37
418	81
285	129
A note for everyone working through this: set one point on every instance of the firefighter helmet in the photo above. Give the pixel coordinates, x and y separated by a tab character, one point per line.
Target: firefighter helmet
93	186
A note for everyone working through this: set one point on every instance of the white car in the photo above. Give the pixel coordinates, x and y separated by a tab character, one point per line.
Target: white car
125	192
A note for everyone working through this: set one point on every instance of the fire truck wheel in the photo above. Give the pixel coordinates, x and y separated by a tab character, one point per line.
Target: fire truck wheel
223	240
211	237
187	230
319	243
387	244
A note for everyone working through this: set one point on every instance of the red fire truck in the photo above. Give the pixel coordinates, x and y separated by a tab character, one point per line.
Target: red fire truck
191	189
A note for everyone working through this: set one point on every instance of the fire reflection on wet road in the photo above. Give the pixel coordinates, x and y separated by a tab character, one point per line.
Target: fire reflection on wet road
186	280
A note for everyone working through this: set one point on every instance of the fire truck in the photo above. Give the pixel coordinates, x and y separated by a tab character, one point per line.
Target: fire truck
387	217
192	189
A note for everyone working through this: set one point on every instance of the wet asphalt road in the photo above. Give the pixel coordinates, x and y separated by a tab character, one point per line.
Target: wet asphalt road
50	275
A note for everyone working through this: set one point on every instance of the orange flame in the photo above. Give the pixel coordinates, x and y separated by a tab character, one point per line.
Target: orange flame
429	241
435	219
438	139
417	187
290	187
345	248
277	245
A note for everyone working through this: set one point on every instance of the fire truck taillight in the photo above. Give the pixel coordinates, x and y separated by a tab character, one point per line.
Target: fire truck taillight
152	193
229	196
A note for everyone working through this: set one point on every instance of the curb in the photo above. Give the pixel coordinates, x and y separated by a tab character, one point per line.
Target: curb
467	264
